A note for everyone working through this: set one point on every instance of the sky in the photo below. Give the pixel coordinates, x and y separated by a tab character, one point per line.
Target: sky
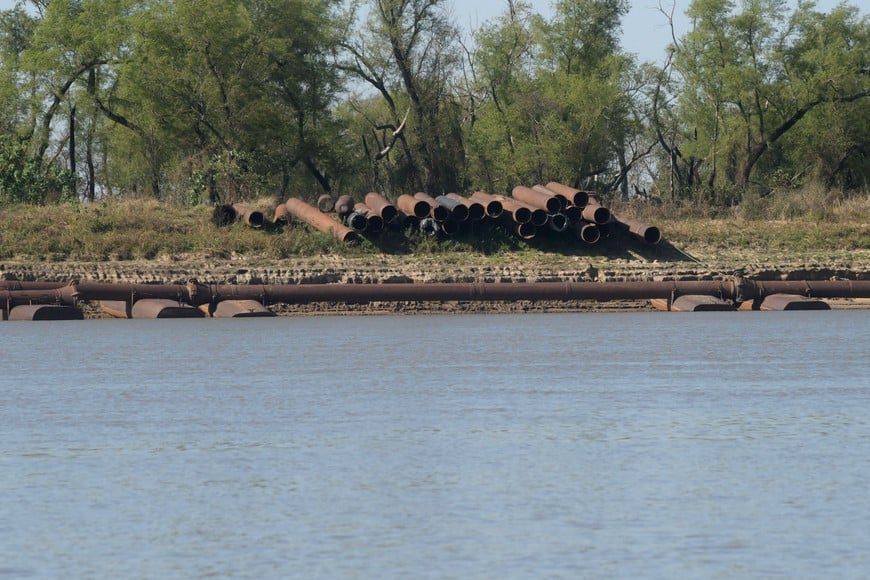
645	30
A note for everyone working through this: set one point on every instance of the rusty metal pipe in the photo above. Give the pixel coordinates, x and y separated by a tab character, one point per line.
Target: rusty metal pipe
412	206
558	222
437	211
374	222
649	234
319	220
562	199
326	203
596	214
518	212
251	217
476	210
357	222
586	232
737	289
493	207
344	205
578	197
30	285
381	206
537	199
458	211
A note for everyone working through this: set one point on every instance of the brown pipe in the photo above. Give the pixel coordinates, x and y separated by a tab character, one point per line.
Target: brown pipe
647	233
325	203
319	220
374	222
45	312
416	207
28	285
586	232
458	210
381	206
517	211
476	210
736	290
562	199
537	199
493	207
281	216
578	197
251	217
539	216
437	211
344	205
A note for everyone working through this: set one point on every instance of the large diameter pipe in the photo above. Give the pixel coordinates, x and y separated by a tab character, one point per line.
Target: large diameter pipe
381	206
416	207
539	216
319	220
562	199
437	211
457	209
375	223
647	233
325	203
537	199
493	207
344	205
476	210
578	197
586	232
557	222
251	217
518	212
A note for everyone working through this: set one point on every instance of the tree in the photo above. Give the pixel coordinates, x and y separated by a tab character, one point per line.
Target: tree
748	78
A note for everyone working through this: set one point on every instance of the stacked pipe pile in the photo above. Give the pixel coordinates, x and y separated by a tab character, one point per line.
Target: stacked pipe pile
554	208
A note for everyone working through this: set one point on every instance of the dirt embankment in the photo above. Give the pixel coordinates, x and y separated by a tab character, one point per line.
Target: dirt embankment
454	267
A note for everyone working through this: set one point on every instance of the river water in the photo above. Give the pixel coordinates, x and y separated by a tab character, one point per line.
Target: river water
652	445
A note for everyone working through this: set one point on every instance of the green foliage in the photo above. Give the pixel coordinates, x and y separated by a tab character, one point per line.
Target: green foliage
24	180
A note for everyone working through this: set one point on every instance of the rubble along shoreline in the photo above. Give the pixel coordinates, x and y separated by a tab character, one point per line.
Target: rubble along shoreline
385	269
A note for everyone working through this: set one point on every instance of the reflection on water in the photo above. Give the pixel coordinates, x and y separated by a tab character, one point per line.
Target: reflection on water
570	445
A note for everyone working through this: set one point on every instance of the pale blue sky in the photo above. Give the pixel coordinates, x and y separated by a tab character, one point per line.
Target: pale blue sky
645	30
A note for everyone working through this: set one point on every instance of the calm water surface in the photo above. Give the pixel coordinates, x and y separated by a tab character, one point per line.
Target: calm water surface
721	445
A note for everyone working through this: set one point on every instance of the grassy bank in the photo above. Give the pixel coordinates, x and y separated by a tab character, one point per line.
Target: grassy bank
145	229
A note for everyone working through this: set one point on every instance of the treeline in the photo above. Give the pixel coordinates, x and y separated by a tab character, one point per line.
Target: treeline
194	101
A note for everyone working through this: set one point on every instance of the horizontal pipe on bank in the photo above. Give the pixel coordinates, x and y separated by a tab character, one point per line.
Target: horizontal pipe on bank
736	290
319	220
381	206
537	199
493	207
476	210
577	197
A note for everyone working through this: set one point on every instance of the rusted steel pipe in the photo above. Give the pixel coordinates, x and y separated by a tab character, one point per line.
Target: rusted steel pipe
540	217
344	205
518	212
319	220
476	210
251	217
577	197
649	234
493	207
586	232
375	223
457	209
558	222
381	206
281	215
45	312
537	199
30	285
595	213
736	290
326	203
562	199
163	308
436	211
412	206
